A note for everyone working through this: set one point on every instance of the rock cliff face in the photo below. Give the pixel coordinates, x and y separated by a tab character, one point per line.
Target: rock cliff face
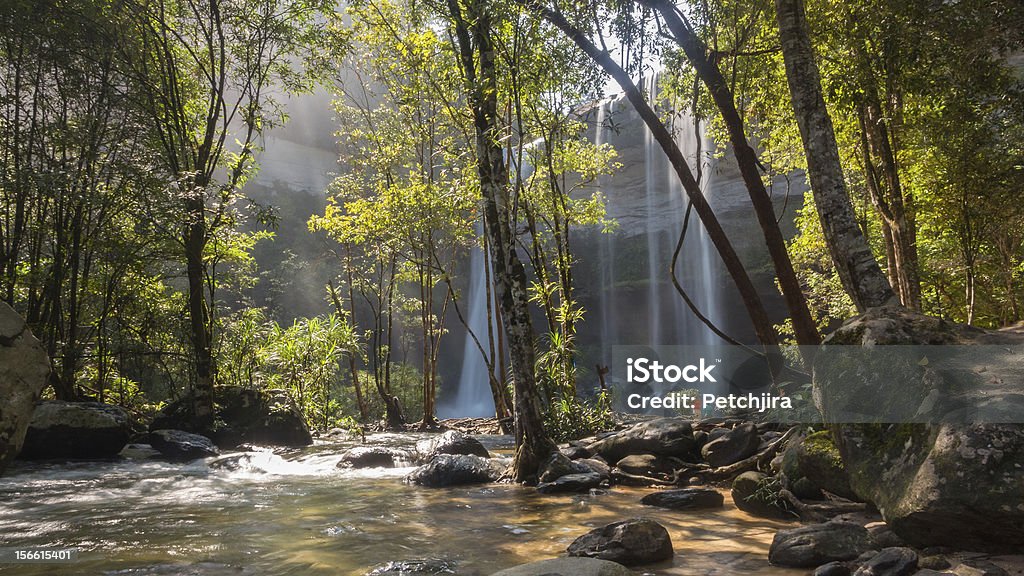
24	367
937	482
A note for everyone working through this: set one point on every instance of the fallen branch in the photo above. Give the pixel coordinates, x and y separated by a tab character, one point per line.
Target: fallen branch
819	512
756	462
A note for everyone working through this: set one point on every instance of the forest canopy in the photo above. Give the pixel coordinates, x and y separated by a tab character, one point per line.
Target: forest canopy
131	132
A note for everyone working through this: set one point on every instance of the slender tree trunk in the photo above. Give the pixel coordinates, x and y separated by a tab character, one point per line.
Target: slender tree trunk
199	315
477	58
696	51
859	272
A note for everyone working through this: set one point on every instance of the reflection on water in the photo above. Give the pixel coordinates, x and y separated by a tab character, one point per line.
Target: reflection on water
263	514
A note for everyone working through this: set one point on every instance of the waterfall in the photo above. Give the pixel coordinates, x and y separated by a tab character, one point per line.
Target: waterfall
629	296
473	393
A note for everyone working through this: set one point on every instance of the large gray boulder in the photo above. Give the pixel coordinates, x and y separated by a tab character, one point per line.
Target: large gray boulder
817	544
24	367
76	430
182	446
244	416
453	470
629	542
568	567
451	442
661	437
942	479
732	446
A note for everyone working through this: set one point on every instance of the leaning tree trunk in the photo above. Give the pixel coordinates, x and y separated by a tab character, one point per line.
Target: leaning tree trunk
477	59
859	272
763	326
696	51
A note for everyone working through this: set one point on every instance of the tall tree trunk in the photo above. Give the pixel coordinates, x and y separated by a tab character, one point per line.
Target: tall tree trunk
859	272
696	51
477	58
199	314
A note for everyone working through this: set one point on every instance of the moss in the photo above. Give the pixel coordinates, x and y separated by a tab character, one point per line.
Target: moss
821	444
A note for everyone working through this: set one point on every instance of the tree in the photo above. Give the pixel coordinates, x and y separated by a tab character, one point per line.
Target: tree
210	72
854	261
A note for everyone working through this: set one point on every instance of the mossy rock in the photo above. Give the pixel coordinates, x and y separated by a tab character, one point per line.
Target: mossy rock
813	464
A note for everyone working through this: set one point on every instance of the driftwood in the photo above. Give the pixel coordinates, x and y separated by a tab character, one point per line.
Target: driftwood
755	462
820	511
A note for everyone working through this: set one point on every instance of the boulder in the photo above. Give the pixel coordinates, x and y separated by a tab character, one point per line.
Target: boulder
182	446
558	465
414	567
597	465
882	536
661	437
817	544
685	499
369	457
76	430
939	478
568	567
451	442
757	493
629	542
242	416
571	483
646	465
813	465
24	368
452	470
832	569
890	562
978	567
732	446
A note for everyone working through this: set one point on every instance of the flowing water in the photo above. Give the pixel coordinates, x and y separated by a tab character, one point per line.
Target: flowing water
262	513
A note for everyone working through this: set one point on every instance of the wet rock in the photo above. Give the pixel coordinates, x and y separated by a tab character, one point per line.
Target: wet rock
685	499
571	483
812	465
597	465
661	437
413	567
882	536
568	567
576	452
978	567
244	416
890	562
930	572
452	470
934	562
646	465
370	457
949	482
183	446
832	569
76	430
558	465
24	368
629	542
732	446
758	494
818	544
451	442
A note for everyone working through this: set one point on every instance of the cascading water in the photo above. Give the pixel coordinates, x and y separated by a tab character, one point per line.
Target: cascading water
630	299
473	395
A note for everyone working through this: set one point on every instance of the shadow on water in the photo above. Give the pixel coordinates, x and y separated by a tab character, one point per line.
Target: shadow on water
263	514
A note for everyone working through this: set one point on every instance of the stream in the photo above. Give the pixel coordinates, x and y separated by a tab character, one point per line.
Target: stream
294	512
